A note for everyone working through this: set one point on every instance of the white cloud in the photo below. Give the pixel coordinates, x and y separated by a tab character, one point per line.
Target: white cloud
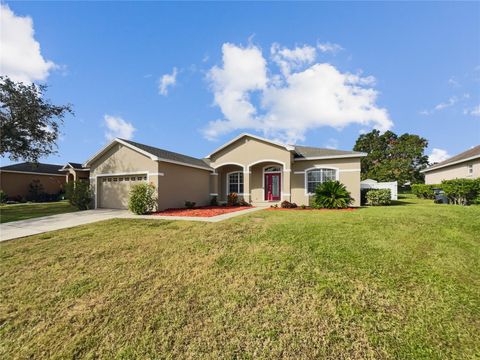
289	104
329	47
438	155
288	59
166	81
453	82
452	101
331	144
475	111
20	56
117	127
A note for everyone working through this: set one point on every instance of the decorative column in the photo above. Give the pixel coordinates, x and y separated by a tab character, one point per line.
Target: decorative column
286	189
246	185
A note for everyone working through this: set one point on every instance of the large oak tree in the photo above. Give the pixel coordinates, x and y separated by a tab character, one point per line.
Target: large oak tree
29	123
392	157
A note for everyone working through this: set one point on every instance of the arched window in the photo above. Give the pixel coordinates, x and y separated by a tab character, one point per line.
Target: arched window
272	169
317	176
235	182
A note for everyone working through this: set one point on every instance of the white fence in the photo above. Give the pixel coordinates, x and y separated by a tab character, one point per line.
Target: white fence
372	184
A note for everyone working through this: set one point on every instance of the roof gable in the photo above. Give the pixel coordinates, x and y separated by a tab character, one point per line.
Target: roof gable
467	155
241	136
155	154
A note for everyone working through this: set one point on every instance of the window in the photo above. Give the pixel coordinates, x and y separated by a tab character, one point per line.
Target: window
144	178
109	179
272	169
470	169
235	183
317	176
104	179
115	179
120	179
139	178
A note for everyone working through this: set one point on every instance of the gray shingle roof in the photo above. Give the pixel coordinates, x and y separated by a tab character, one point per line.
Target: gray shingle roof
309	151
76	165
475	151
169	155
35	168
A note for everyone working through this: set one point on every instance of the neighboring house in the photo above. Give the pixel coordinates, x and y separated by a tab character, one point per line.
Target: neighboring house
464	165
373	184
261	171
75	171
15	179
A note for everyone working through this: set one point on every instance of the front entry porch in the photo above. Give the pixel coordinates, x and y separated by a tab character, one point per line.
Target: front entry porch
262	184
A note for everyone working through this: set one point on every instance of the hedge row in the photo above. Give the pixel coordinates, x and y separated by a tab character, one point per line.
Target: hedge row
458	191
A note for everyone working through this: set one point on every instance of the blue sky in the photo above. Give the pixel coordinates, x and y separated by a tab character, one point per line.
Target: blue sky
311	73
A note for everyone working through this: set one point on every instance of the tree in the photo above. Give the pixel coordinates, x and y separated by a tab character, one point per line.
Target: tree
29	123
392	157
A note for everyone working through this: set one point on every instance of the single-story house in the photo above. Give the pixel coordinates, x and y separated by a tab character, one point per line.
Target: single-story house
15	179
465	165
261	171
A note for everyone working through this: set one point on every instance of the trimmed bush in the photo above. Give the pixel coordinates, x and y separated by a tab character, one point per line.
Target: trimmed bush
332	195
143	199
213	201
3	197
424	191
242	202
461	191
288	205
79	194
379	197
190	204
232	199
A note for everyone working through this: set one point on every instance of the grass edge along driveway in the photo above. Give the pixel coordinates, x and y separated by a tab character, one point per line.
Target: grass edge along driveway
397	282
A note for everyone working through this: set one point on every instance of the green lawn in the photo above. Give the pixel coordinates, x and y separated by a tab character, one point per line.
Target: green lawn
16	212
399	282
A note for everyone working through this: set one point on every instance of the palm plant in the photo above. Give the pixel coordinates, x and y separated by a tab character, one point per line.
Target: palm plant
332	195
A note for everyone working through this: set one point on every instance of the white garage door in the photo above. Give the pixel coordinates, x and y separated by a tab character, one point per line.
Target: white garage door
114	190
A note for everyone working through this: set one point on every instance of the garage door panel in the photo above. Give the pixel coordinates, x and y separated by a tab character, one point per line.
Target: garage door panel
114	190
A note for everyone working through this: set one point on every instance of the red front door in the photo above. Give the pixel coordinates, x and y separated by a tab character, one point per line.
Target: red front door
272	187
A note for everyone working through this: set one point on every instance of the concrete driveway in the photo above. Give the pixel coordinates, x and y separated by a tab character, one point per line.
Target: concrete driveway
17	229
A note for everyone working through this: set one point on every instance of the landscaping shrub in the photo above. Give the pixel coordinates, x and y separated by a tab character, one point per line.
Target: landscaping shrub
379	197
461	191
242	202
213	201
232	199
142	199
190	204
424	191
332	195
35	191
79	194
363	196
3	197
288	205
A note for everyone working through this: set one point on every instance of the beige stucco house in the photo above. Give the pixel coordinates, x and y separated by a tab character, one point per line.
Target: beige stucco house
465	165
261	171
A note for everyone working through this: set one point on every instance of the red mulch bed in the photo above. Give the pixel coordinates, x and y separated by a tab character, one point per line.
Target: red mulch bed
206	211
312	209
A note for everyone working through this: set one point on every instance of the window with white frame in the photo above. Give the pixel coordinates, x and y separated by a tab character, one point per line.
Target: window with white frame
470	169
317	176
235	182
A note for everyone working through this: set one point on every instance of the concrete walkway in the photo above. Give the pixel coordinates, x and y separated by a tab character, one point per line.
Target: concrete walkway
19	229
